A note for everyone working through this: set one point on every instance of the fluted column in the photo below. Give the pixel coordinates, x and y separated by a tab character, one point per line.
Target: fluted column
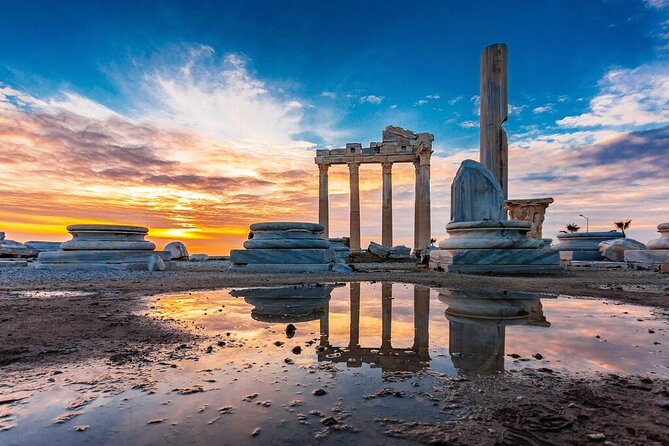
424	204
323	199
416	216
387	209
386	314
354	181
354	339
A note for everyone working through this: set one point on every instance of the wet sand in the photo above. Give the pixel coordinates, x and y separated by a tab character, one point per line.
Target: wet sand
50	320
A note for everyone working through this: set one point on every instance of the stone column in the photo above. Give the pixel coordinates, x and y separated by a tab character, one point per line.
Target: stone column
386	314
421	315
354	339
323	198
424	204
494	112
387	210
417	206
325	326
354	181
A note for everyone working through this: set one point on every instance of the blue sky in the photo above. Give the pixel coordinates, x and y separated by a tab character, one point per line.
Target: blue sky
397	51
293	75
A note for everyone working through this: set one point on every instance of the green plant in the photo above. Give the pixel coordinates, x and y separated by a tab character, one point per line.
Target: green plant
622	225
573	227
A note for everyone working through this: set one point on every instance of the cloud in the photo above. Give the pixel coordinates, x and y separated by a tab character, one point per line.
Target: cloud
329	94
372	99
543	109
455	100
433	96
469	124
657	4
628	97
422	102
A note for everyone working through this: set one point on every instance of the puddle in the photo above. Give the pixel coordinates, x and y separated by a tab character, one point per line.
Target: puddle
359	352
51	294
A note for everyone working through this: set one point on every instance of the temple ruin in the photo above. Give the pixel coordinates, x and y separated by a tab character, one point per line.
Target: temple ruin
398	146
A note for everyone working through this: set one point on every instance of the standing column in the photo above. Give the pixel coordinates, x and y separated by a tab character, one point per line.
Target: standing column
386	314
416	216
323	198
354	339
387	209
494	112
354	181
424	204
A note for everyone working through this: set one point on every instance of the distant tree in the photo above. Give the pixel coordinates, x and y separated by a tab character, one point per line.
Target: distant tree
622	225
573	227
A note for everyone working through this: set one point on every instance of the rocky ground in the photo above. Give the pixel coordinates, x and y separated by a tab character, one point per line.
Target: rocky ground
100	315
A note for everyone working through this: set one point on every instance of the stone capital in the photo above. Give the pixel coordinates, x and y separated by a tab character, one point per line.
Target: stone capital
424	157
323	168
387	167
354	167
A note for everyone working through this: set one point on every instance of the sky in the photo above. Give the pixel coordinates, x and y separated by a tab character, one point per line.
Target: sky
197	118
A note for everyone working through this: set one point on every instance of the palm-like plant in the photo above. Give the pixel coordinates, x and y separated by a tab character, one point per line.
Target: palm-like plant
622	225
573	227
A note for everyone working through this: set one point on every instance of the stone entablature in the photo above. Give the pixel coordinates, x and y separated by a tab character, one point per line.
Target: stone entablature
398	146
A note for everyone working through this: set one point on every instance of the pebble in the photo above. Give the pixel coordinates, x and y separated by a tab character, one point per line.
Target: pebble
297	350
255	432
664	404
538	356
290	330
596	437
319	392
329	421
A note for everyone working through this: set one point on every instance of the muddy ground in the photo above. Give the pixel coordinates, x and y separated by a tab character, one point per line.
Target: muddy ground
105	319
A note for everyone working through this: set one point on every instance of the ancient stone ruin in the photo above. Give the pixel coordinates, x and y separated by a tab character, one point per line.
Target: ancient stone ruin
531	209
584	246
286	247
480	239
106	246
398	146
656	253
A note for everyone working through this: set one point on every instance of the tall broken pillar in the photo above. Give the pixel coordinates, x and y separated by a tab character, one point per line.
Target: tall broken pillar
494	112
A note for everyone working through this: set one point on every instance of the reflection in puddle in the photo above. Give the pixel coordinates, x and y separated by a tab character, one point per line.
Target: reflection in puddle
352	345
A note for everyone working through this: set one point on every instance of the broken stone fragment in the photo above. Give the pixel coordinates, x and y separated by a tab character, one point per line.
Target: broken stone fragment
177	250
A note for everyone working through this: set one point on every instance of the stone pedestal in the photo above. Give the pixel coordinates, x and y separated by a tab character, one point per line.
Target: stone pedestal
581	246
533	210
480	240
655	254
340	247
278	247
105	246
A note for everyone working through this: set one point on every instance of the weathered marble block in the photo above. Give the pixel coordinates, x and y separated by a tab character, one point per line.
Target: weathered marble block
307	243
177	250
112	246
476	194
40	246
11	248
281	256
663	241
583	245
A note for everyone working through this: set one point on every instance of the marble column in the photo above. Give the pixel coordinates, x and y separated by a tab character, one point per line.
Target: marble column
323	198
354	221
386	314
421	315
387	209
354	340
424	204
494	112
417	206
